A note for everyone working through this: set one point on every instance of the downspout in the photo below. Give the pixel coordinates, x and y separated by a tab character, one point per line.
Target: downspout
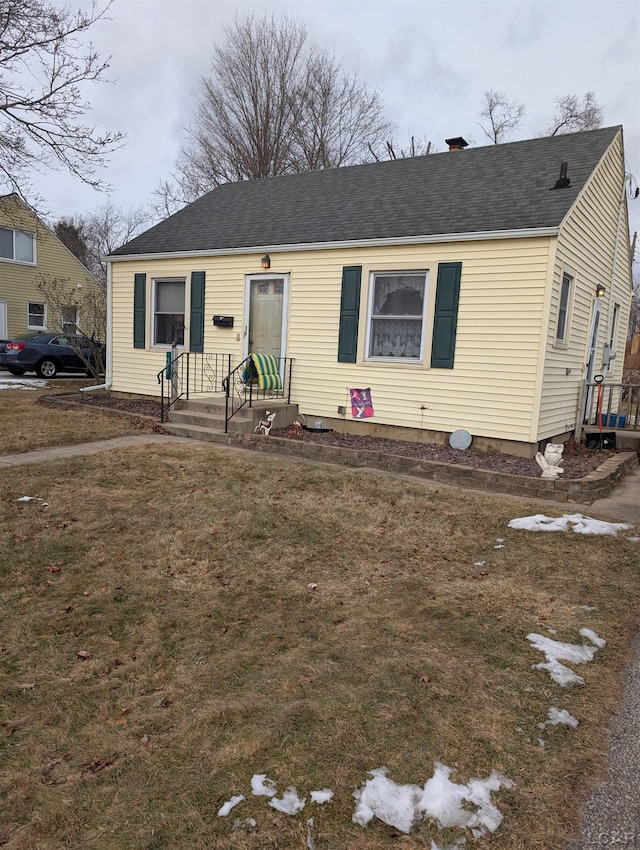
614	260
109	364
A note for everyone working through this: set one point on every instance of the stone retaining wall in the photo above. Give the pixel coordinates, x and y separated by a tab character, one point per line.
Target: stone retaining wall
593	486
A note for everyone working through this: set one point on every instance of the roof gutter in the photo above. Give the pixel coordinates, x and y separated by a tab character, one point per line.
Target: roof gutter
522	233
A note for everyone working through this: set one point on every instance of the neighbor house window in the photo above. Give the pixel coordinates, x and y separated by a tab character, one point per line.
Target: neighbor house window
37	316
17	245
397	312
168	312
70	320
563	309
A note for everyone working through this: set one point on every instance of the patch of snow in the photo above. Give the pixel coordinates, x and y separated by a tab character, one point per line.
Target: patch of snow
21	384
541	742
289	803
557	715
402	806
324	796
29	499
593	637
552	631
633	539
499	546
393	804
588	608
224	810
311	842
262	786
575	522
478	564
556	652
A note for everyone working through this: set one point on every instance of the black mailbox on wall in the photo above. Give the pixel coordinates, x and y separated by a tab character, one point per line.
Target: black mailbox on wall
223	321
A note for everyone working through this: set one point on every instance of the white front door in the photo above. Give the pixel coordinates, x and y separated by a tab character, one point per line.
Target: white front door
3	319
590	371
265	324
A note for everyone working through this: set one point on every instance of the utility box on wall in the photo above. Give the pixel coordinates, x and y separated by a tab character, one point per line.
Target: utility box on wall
223	321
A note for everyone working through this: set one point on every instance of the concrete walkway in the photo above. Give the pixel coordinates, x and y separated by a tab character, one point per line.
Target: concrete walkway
80	449
612	814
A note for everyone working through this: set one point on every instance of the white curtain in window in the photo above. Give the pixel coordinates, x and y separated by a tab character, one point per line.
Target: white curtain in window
397	314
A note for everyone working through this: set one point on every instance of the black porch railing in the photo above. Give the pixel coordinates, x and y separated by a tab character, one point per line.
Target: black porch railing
612	406
190	373
241	387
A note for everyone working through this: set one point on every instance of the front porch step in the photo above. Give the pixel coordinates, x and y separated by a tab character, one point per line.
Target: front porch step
197	432
209	415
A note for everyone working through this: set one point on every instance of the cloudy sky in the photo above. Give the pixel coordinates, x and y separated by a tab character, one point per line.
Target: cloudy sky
433	60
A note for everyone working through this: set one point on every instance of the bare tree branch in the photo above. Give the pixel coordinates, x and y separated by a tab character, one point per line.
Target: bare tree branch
274	103
88	303
500	116
416	147
573	114
91	237
45	63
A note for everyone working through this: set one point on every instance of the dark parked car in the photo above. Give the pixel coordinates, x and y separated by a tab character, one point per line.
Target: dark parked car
47	354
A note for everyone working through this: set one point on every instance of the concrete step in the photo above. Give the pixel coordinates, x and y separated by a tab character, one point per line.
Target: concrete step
196	432
210	415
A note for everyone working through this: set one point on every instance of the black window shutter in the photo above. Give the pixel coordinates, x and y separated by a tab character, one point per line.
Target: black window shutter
196	324
445	318
139	310
349	314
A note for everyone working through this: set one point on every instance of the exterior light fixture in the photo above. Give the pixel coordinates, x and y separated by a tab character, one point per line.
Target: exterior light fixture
266	262
600	290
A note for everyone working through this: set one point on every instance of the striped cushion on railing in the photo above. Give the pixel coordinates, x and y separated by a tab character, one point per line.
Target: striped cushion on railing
267	368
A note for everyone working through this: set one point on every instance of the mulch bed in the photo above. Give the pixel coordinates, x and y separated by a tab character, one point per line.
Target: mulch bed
136	406
578	460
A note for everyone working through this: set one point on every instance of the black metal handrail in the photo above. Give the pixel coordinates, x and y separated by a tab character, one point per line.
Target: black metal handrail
241	387
191	372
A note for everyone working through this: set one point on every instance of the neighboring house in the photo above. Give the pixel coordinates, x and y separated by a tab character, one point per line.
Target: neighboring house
29	251
460	287
632	355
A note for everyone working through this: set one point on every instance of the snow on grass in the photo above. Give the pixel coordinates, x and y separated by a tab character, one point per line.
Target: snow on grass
557	652
575	522
224	810
289	803
29	499
382	798
262	786
593	637
558	715
21	384
403	806
324	796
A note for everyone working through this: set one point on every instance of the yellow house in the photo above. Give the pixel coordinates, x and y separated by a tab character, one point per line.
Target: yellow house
473	289
29	251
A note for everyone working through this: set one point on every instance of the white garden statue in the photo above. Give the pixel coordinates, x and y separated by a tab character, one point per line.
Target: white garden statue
265	426
550	461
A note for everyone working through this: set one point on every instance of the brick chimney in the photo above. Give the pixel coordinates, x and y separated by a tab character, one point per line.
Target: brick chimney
457	143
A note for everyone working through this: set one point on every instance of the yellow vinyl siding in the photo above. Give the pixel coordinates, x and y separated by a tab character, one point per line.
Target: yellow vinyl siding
490	391
585	250
18	280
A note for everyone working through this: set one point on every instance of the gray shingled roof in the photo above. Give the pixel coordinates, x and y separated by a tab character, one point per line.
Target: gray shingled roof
493	188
